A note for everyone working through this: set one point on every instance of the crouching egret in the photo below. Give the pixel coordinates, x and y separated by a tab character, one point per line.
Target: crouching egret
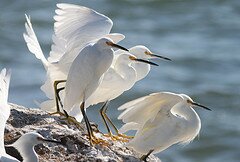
85	75
25	143
161	120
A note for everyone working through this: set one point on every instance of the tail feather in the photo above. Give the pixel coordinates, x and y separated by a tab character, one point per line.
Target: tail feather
32	42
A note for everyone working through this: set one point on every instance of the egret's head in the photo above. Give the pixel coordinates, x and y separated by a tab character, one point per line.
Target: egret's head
144	53
35	138
109	43
192	103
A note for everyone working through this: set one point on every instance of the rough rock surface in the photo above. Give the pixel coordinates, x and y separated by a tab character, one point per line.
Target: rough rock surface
75	144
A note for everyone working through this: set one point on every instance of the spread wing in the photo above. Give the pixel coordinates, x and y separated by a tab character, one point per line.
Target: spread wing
147	107
32	42
79	25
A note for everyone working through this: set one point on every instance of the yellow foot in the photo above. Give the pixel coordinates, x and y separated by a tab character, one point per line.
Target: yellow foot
57	112
98	141
125	136
116	138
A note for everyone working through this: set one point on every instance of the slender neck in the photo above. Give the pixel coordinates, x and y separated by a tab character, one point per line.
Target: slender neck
126	71
142	70
107	55
187	112
193	122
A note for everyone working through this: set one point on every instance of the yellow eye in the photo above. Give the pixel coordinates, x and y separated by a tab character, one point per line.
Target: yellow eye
109	43
147	53
188	101
132	58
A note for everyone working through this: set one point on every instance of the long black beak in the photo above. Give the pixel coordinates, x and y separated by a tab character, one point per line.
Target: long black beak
52	141
162	57
199	105
146	61
117	46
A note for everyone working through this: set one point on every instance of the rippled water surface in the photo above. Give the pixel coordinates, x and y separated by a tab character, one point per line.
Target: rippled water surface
202	37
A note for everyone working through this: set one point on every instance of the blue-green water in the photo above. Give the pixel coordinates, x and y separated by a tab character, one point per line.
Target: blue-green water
202	37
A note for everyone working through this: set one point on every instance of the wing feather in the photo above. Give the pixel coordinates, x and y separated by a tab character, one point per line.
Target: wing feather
78	26
32	42
145	108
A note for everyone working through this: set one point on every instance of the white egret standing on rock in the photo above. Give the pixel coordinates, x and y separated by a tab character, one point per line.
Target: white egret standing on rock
161	120
26	142
75	27
85	75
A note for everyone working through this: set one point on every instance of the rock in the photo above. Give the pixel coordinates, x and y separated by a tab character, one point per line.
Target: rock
75	143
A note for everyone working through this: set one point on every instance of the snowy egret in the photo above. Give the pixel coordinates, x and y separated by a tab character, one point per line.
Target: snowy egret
25	143
85	75
75	27
161	120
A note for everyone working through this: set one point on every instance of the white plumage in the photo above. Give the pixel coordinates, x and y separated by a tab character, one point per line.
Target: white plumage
75	27
161	120
86	72
120	77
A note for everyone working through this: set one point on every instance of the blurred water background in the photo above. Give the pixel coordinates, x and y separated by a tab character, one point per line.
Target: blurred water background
202	37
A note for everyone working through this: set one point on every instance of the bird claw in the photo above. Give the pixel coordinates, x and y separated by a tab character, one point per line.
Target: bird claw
125	136
100	142
115	137
95	141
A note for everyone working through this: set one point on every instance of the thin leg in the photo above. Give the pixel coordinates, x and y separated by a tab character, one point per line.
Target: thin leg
58	100
92	138
104	115
144	157
88	126
57	97
56	91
